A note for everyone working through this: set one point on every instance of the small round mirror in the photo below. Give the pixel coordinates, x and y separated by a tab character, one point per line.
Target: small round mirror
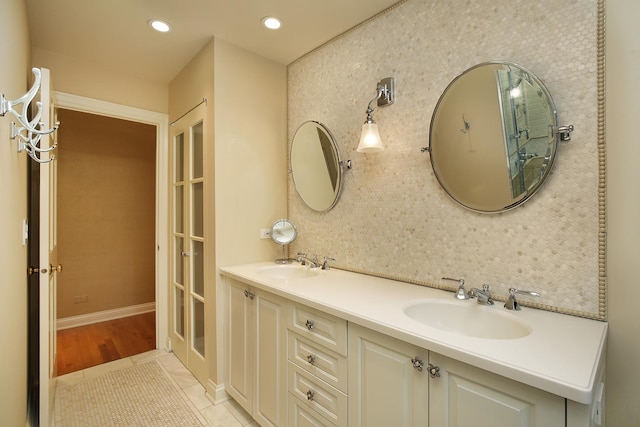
283	232
493	137
315	166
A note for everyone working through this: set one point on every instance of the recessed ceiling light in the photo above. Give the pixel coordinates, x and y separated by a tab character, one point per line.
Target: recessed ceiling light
160	26
271	22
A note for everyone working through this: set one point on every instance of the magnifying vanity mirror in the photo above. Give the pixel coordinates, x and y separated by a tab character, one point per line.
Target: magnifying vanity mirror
283	232
493	137
316	168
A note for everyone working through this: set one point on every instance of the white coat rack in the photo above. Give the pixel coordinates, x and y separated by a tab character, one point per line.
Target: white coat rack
28	132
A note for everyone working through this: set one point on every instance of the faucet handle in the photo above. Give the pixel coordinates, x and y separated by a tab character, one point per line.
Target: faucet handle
512	302
462	292
325	264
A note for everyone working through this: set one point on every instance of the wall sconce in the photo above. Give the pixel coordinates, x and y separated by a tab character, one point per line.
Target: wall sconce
28	134
370	141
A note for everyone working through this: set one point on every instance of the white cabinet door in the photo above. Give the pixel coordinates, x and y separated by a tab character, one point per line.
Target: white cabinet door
384	387
270	383
240	335
466	396
257	353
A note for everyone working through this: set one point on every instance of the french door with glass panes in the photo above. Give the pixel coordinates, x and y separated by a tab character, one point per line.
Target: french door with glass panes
188	296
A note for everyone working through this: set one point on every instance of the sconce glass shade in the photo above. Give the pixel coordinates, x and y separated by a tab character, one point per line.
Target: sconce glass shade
370	141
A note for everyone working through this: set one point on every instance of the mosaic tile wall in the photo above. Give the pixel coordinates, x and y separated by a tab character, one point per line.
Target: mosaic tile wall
393	219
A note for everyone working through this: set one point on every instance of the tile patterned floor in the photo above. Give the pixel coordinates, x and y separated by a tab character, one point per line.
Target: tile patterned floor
226	414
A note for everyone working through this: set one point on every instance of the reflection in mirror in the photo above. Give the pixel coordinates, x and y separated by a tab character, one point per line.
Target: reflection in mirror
493	137
283	232
315	166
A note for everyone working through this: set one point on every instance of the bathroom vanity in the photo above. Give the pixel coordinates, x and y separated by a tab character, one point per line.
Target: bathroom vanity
320	347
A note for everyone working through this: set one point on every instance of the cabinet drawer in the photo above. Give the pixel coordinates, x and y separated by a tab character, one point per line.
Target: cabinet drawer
318	360
328	401
319	327
301	415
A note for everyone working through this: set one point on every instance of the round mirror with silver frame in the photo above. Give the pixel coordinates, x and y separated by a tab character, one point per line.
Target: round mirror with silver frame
283	232
493	137
316	168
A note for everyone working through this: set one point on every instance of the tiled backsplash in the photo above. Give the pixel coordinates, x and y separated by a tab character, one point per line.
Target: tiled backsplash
393	219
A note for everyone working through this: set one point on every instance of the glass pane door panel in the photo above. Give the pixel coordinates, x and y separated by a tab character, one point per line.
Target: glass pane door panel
197	209
179	158
179	314
179	209
197	268
198	326
197	151
178	262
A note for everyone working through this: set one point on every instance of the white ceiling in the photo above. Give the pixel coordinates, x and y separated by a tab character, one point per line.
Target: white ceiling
115	33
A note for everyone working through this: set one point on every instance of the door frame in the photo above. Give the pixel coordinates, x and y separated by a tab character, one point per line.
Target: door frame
161	122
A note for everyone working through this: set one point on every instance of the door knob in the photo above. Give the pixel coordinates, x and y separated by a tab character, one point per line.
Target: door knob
53	269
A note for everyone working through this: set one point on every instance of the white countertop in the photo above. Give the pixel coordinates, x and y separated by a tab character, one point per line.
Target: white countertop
562	354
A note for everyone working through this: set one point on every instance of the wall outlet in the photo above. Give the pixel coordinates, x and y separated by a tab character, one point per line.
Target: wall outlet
80	299
265	233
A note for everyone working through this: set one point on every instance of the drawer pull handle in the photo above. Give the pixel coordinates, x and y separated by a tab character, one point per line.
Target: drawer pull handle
434	371
249	295
418	364
309	324
310	395
311	359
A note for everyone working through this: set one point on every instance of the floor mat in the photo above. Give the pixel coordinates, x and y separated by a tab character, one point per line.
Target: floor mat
141	395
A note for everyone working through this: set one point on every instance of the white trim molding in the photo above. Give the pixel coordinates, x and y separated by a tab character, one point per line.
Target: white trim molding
103	316
161	121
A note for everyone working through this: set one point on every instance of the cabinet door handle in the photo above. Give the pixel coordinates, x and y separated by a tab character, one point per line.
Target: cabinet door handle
310	395
311	359
418	364
249	294
309	324
434	371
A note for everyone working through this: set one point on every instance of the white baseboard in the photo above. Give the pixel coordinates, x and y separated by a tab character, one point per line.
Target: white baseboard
216	393
103	316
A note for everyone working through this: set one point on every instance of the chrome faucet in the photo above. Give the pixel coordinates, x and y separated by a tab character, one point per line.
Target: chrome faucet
483	295
302	258
512	302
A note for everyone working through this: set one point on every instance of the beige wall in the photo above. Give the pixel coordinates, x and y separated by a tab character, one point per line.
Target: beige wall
91	80
251	148
623	201
14	51
106	213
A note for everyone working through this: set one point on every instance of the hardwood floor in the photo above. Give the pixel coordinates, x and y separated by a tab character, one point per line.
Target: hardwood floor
91	345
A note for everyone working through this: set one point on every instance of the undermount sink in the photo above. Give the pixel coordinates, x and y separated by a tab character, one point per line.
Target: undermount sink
287	272
468	318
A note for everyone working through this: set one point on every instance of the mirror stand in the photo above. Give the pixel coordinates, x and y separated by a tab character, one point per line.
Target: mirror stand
284	259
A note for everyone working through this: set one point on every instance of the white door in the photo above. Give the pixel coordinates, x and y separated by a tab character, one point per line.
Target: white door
48	265
187	201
